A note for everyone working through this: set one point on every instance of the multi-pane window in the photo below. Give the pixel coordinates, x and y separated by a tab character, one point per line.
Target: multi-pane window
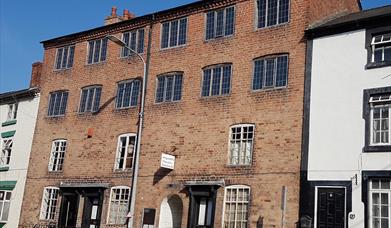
272	12
216	80
220	23
381	48
241	144
169	88
64	57
57	103
380	119
6	150
12	111
49	203
270	72
380	201
174	33
119	200
5	203
236	201
57	155
90	99
134	40
125	151
127	94
97	50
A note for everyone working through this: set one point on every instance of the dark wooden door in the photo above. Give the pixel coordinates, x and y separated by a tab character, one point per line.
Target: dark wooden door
331	208
69	210
92	212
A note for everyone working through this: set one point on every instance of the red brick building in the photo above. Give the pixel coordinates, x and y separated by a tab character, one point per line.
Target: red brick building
224	96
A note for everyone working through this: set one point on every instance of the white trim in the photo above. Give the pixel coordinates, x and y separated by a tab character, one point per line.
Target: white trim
169	33
121	187
224	202
52	152
241	138
42	213
3	205
117	155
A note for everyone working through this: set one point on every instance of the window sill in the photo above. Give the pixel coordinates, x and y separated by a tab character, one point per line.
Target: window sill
8	122
271	26
4	168
173	48
377	65
269	89
238	166
62	70
220	38
215	96
95	64
377	149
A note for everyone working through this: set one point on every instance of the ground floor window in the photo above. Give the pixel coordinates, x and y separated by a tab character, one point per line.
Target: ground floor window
49	203
236	202
379	201
5	202
119	200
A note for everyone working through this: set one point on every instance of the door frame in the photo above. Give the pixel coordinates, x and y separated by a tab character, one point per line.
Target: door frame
316	203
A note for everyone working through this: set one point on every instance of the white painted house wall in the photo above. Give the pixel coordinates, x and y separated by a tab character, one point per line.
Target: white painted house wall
22	141
337	128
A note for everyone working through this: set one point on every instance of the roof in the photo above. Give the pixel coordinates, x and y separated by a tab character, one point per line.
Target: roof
364	19
18	95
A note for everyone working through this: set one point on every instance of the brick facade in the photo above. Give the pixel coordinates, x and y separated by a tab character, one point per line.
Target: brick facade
194	129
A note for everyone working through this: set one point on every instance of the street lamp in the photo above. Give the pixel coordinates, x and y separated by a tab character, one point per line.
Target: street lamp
130	215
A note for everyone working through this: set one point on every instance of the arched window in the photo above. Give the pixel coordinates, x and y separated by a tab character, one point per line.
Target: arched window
169	87
57	155
90	98
118	206
216	80
236	201
241	141
125	151
49	203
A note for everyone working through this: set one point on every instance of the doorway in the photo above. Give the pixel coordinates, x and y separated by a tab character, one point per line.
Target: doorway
331	207
171	212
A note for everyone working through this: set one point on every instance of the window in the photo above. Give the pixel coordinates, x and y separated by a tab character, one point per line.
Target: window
271	72
381	48
57	155
134	40
97	50
241	144
272	12
380	201
174	33
64	57
5	202
127	94
236	202
58	103
49	203
380	119
220	23
6	150
90	98
216	80
119	200
125	151
169	88
12	111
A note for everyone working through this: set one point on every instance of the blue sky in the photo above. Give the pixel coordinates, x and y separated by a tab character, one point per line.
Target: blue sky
24	23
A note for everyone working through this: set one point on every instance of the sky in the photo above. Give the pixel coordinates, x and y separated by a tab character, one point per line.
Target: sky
24	23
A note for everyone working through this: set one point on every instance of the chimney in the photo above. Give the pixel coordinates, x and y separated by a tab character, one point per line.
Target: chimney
36	72
113	18
127	15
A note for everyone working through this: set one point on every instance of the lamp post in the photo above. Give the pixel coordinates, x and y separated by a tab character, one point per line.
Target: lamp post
119	42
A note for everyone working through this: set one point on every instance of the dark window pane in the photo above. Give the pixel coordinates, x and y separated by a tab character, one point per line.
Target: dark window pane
272	12
104	50
90	97
378	55
261	4
219	23
135	92
216	81
59	58
165	34
51	104
97	51
174	33
64	58
210	22
178	87
269	72
182	31
128	89
83	100
283	11
225	87
169	88
258	74
57	103
98	92
90	51
120	95
282	71
140	45
160	89
230	21
64	102
387	54
206	82
71	56
125	38
133	39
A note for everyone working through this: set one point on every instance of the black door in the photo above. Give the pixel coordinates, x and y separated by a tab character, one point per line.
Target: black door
68	210
202	206
92	211
331	208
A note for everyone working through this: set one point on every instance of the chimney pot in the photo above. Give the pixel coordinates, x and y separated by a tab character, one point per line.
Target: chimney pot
126	14
36	72
113	11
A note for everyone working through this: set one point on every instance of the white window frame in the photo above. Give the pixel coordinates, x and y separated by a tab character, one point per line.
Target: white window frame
49	203
62	57
213	68
387	191
241	144
130	39
169	33
3	156
122	189
5	200
165	76
236	187
60	155
266	15
62	92
100	51
88	88
12	111
117	156
224	23
382	103
132	81
381	42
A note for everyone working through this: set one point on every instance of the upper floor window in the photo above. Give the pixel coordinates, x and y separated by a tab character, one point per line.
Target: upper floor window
236	201
380	119
97	50
5	203
220	23
381	48
90	99
380	202
134	40
272	12
57	155
241	144
118	208
216	80
125	151
174	33
169	88
57	103
49	203
12	111
64	57
270	72
6	150
127	94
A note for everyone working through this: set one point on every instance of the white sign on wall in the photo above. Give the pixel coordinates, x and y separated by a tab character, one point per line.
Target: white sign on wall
167	161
